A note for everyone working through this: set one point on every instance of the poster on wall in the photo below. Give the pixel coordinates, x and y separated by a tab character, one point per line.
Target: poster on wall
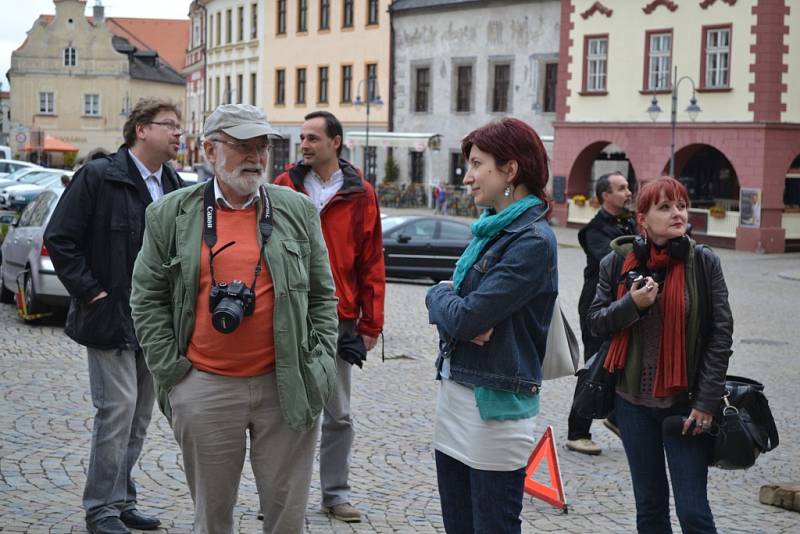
749	207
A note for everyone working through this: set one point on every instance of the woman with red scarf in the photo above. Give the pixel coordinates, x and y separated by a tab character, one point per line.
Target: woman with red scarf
663	302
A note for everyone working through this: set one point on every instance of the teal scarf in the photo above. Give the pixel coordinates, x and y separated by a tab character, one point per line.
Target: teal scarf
492	403
484	229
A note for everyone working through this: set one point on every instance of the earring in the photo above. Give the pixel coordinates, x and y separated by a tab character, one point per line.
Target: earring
507	191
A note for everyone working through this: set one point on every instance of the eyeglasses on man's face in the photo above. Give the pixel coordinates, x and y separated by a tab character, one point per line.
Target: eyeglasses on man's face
172	126
244	147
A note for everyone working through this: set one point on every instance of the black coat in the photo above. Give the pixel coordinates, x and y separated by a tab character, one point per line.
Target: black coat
595	239
93	238
608	315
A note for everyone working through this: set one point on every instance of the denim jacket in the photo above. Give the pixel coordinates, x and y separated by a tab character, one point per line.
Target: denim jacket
512	288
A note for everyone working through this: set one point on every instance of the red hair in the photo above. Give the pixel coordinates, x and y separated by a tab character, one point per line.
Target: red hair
511	139
650	193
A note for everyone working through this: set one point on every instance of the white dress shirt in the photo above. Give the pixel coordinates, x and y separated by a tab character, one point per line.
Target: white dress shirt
321	192
152	179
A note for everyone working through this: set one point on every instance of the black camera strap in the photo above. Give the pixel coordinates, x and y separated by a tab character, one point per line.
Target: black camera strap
210	228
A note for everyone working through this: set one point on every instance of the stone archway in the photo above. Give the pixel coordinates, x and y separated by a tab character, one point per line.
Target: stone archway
708	175
598	158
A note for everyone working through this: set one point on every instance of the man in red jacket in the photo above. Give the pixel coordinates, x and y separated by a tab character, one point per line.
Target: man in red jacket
351	226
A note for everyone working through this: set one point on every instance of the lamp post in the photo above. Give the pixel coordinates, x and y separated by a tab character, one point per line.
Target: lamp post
692	110
373	99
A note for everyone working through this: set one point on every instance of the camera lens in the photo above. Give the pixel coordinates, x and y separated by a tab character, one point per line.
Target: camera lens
227	315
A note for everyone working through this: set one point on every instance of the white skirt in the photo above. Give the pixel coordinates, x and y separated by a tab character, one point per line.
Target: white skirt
487	445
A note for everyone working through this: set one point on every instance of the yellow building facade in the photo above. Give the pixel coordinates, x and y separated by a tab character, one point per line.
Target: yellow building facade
75	80
321	56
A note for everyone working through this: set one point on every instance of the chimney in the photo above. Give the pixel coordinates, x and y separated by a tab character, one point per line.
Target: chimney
98	12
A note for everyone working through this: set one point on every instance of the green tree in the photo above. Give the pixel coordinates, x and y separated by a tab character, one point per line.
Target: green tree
391	170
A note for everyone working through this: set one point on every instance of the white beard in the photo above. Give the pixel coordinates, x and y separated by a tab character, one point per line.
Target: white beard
242	185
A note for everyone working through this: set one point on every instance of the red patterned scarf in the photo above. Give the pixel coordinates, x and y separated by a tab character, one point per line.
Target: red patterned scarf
671	376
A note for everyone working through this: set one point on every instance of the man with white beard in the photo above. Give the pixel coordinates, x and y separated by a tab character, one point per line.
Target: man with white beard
234	305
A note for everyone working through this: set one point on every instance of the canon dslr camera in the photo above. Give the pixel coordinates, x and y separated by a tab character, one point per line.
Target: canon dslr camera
229	303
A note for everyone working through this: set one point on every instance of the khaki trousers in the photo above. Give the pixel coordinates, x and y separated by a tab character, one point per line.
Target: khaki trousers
211	418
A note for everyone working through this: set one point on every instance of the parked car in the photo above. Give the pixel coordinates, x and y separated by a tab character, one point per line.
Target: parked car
417	246
7	166
23	251
189	178
21	194
17	175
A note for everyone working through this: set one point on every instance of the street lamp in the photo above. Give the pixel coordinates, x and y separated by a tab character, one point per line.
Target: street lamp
373	99
692	110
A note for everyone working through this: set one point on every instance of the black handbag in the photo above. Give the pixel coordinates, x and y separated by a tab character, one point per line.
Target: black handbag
744	427
594	393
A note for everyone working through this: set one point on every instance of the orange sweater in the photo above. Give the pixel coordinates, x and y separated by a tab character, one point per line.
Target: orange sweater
250	349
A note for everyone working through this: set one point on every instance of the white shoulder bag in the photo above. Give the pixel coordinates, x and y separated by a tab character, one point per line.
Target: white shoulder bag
563	353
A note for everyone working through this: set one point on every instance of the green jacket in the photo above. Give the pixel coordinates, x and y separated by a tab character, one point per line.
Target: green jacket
164	292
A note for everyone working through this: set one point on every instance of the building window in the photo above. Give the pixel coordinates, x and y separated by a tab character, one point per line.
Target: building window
549	92
372	11
372	81
324	14
228	26
717	57
91	105
417	164
281	21
280	155
240	28
280	87
46	102
216	91
659	60
219	29
302	16
253	88
253	21
239	88
595	63
322	94
422	90
464	88
372	164
197	35
347	14
300	96
228	90
347	83
210	27
457	168
500	87
70	57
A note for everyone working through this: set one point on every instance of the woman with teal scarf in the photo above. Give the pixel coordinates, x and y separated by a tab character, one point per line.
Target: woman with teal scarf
493	319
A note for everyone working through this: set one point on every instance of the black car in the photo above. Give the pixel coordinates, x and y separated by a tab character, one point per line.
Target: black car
416	246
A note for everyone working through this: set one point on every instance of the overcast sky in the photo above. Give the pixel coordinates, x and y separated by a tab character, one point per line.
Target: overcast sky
18	17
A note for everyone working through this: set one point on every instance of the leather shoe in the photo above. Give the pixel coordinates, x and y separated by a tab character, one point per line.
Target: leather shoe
134	519
107	525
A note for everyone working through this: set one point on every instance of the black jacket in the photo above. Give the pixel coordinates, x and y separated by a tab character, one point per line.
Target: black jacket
93	238
608	316
595	239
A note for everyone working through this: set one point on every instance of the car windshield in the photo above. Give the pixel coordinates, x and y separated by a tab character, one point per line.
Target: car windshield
391	222
14	176
36	177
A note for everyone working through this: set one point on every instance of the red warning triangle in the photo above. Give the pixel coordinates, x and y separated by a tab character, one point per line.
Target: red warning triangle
553	494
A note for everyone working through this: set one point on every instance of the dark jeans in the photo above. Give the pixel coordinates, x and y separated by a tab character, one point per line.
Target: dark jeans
477	501
687	457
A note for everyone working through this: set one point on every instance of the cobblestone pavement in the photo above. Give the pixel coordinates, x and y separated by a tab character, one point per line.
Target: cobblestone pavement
45	422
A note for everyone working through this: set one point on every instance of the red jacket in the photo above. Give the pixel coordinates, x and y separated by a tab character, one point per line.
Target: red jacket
351	226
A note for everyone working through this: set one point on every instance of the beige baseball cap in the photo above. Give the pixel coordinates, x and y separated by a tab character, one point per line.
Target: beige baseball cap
240	121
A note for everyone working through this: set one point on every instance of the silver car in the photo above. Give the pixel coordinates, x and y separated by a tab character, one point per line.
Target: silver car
24	252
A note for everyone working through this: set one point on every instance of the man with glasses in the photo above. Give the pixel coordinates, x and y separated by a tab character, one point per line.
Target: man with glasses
234	304
93	238
351	224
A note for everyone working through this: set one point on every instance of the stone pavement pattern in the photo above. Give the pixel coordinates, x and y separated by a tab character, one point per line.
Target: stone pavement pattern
45	426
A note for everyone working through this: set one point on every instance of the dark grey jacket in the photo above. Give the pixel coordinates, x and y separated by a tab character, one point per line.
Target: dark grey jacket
93	238
607	316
